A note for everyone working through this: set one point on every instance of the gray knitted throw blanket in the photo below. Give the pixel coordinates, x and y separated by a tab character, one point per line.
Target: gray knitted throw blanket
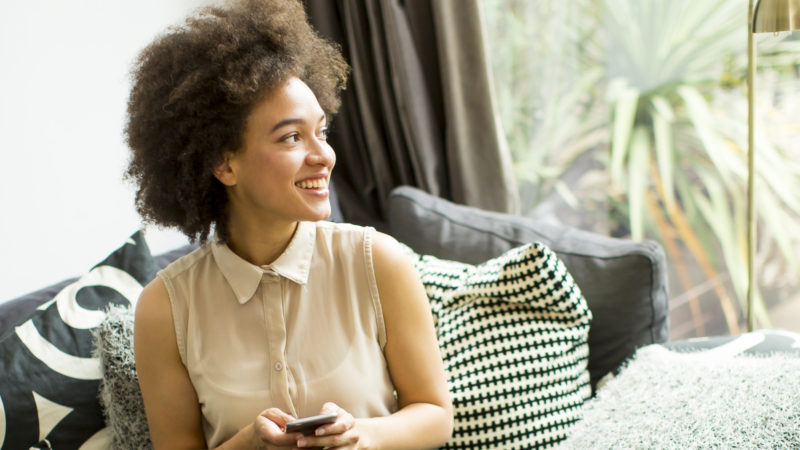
669	400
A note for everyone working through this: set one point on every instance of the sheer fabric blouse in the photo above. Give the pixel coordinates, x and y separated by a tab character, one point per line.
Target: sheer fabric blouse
295	334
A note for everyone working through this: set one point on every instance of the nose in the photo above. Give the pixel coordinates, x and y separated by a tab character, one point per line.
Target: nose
321	153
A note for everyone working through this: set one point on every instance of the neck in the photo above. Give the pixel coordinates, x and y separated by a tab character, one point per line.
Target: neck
260	245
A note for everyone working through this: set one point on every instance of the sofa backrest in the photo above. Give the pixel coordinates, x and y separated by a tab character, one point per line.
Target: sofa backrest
624	282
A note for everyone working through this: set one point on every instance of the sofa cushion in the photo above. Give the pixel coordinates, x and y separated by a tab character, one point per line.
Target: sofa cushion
513	336
15	311
624	282
707	399
120	395
48	376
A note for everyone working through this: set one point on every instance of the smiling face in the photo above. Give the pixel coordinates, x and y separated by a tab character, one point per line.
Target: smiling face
281	173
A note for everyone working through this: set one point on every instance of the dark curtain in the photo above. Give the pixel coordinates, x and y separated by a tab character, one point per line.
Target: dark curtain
418	109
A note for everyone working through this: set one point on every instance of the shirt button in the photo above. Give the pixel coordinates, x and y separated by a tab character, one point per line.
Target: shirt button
278	366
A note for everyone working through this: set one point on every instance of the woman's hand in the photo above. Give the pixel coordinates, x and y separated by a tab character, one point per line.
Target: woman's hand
343	433
268	429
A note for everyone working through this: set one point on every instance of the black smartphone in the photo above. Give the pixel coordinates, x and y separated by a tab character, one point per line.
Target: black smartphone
307	425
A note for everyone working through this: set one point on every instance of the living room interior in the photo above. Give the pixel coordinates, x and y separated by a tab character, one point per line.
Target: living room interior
625	120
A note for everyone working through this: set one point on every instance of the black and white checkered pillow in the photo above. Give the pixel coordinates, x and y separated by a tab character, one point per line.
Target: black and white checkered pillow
513	335
49	377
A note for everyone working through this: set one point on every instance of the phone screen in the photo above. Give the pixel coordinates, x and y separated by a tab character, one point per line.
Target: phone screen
307	425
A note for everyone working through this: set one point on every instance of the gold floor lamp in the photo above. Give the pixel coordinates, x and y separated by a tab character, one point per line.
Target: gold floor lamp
767	16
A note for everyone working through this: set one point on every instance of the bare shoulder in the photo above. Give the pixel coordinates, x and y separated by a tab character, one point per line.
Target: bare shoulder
398	280
387	252
153	325
153	307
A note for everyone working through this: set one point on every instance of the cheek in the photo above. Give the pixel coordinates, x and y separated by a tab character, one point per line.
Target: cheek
281	165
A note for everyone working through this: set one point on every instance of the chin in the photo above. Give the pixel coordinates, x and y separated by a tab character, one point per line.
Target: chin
319	214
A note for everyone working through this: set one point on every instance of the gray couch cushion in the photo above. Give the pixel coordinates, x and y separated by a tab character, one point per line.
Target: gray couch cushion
703	400
624	282
120	395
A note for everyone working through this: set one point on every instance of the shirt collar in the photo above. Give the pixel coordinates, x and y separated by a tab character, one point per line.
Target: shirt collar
294	263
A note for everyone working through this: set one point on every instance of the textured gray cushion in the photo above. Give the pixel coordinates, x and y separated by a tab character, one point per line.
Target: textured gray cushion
624	282
705	400
119	391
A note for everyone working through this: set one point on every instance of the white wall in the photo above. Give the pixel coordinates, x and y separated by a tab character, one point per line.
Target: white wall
63	90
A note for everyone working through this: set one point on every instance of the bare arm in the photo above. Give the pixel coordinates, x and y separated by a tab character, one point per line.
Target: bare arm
425	415
171	406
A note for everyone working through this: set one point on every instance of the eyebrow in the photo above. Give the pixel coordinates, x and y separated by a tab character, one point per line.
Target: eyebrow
292	121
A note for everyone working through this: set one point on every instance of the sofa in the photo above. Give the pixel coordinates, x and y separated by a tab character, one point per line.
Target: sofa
532	318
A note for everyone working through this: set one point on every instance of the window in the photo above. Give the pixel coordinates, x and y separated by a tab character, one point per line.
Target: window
629	118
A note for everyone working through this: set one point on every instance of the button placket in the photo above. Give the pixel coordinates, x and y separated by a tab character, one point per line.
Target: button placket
276	325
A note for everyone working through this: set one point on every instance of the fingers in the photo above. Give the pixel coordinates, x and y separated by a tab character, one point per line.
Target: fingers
330	407
277	416
344	421
269	426
335	441
337	434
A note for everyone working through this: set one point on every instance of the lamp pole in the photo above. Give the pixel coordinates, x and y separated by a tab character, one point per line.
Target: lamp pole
751	206
763	16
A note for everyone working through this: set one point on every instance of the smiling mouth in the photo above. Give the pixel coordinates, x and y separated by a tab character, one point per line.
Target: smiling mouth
316	183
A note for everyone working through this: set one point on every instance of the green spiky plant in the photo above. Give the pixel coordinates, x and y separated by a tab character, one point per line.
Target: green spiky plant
667	118
545	106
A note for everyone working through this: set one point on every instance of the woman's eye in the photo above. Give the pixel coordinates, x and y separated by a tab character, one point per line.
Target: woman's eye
292	138
323	134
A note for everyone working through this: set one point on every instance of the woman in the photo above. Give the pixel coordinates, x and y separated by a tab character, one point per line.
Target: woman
279	315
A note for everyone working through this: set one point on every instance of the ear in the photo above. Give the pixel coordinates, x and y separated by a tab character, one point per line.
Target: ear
224	172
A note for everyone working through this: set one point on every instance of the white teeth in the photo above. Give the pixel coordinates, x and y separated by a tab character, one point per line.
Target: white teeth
313	184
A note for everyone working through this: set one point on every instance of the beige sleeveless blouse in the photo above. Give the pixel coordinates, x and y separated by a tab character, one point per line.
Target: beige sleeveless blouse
295	334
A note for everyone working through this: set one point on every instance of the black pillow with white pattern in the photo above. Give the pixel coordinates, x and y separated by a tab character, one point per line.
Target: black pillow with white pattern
513	334
49	378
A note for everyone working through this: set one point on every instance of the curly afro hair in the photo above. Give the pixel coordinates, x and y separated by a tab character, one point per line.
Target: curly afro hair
193	89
